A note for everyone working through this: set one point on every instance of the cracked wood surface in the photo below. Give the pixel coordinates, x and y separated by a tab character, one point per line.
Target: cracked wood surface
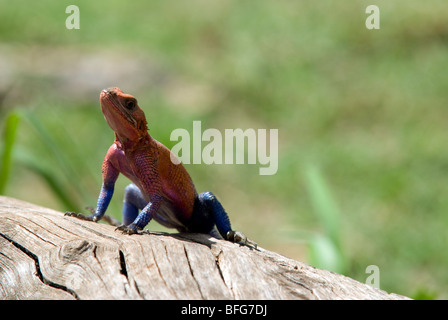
45	255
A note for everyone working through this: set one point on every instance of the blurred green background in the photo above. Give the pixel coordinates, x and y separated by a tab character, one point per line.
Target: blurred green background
362	118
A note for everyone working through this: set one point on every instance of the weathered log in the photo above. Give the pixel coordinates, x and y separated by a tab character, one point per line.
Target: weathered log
46	255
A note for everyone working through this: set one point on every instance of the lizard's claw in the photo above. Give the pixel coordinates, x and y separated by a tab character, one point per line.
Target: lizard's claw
131	229
90	217
240	238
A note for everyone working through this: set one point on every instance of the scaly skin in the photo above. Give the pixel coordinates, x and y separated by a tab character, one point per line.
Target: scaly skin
161	189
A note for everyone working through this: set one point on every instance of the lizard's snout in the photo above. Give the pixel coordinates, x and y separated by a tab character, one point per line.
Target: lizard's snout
111	91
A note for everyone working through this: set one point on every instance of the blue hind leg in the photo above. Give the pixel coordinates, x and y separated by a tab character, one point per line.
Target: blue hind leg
215	211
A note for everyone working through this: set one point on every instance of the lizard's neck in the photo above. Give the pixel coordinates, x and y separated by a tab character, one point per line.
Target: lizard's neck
128	145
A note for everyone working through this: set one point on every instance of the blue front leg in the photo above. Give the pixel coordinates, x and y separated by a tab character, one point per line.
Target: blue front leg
132	203
104	198
102	204
143	218
110	175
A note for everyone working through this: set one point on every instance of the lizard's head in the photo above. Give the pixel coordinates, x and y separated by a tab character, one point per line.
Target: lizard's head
123	114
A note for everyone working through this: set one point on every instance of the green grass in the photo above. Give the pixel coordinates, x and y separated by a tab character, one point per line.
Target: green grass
361	117
325	248
9	136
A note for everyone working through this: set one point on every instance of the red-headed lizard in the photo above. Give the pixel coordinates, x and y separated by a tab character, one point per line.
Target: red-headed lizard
162	189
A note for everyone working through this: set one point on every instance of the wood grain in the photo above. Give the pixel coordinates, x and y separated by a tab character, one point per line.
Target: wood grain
46	255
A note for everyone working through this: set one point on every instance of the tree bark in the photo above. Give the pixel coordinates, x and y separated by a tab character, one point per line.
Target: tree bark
46	255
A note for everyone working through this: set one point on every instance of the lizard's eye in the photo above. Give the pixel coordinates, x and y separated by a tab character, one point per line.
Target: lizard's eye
130	104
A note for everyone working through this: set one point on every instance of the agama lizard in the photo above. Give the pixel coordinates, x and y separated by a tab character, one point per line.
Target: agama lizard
161	189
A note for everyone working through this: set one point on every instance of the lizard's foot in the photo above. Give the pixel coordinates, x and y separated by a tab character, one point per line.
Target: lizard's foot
240	238
131	229
90	217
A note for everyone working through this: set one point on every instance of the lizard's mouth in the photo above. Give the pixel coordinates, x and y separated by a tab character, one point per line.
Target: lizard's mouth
109	96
